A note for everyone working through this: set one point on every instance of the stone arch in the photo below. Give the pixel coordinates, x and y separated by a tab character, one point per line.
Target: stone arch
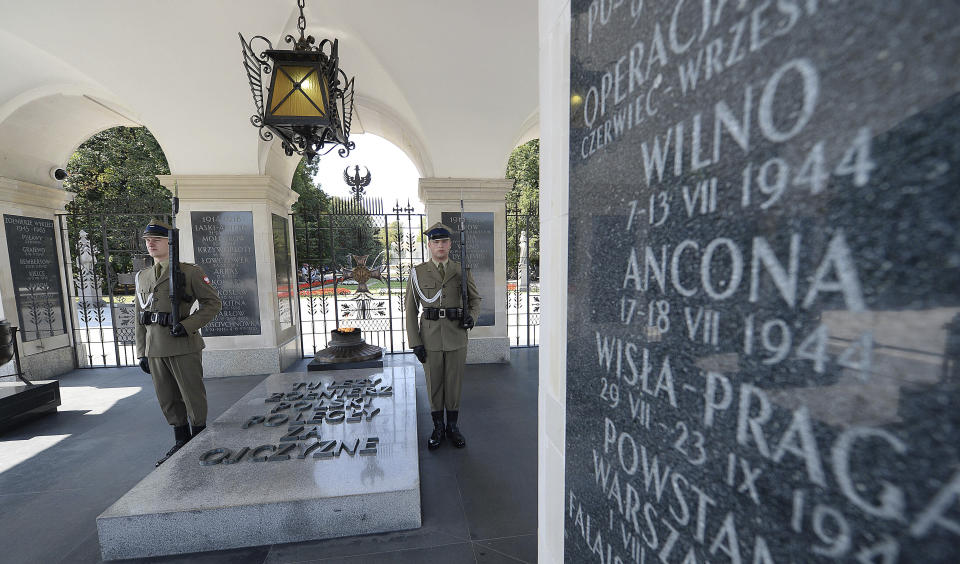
41	128
528	131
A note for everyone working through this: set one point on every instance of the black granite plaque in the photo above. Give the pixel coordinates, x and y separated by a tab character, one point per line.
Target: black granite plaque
764	282
223	247
479	235
286	289
35	270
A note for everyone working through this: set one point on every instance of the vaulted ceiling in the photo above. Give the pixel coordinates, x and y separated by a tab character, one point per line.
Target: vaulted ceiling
453	83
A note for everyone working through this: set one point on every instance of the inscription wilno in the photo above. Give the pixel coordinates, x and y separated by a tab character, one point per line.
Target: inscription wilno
764	277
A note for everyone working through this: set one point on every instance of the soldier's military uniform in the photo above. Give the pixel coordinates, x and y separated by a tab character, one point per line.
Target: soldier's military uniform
174	362
438	331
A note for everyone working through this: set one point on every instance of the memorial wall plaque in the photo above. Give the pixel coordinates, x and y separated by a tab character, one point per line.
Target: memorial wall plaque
286	288
479	234
223	247
35	271
764	282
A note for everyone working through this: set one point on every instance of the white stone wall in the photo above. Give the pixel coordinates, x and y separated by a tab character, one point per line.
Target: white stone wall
554	172
46	357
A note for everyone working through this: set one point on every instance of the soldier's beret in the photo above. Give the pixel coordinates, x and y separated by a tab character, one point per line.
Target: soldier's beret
438	231
156	228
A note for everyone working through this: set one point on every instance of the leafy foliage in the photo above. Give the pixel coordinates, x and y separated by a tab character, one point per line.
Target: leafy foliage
523	206
312	197
115	170
113	175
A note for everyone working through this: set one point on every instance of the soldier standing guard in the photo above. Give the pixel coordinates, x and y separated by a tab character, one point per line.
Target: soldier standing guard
437	337
171	355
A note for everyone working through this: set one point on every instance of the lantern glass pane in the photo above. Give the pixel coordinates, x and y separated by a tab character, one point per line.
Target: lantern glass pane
304	101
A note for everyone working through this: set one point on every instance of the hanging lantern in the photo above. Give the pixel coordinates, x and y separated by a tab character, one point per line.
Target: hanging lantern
301	95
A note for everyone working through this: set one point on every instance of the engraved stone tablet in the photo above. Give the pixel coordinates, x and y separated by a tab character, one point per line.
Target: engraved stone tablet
764	275
35	270
223	247
300	457
479	234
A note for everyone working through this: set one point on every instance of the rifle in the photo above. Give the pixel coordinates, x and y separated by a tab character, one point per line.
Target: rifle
177	279
463	267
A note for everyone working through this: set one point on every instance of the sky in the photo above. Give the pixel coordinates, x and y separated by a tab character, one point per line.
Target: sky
393	174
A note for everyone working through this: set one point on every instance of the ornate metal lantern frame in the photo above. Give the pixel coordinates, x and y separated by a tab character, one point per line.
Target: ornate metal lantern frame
327	124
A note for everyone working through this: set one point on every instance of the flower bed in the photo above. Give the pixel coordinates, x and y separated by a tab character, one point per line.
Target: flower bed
327	292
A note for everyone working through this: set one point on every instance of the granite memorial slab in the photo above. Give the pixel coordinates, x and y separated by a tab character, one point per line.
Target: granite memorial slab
223	247
479	235
301	457
35	270
764	282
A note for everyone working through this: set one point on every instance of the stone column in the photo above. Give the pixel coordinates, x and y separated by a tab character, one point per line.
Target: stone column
554	213
255	334
37	302
440	195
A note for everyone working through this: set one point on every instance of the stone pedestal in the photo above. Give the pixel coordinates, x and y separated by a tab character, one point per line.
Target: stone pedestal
242	210
443	195
46	353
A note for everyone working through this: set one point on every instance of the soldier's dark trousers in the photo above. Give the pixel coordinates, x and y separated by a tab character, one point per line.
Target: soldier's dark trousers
178	381
444	372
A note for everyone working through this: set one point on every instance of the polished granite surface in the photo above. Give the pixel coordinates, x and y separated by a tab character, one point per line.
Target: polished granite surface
355	476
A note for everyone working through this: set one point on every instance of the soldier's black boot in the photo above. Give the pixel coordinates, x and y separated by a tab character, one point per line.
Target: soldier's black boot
181	434
436	437
195	430
453	431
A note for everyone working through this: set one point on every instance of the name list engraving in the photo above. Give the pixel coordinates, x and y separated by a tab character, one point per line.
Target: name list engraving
223	246
480	257
35	271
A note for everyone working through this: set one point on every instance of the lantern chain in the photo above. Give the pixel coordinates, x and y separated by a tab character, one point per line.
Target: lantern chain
301	21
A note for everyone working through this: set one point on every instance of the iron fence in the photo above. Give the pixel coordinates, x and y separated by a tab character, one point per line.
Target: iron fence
107	252
523	279
353	261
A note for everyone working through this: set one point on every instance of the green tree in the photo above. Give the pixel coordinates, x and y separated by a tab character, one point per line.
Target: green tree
312	197
523	205
113	175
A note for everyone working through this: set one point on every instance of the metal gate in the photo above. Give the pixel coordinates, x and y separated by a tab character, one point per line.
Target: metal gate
523	279
331	248
334	246
353	261
107	252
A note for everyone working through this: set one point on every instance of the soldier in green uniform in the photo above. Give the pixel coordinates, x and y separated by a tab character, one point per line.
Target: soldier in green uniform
437	337
171	355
